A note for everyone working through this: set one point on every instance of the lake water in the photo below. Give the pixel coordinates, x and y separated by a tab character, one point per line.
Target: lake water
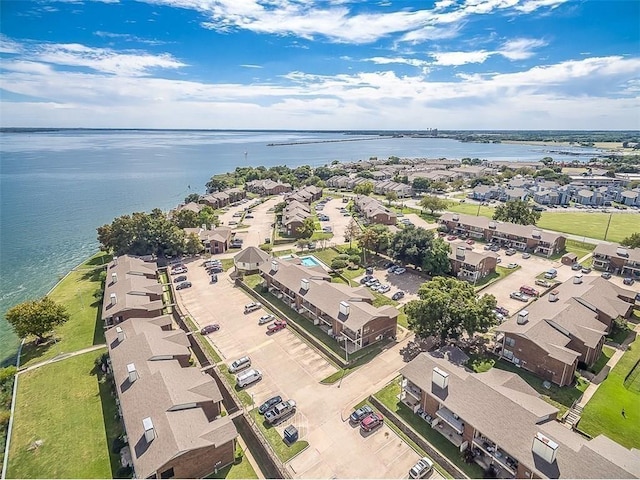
57	187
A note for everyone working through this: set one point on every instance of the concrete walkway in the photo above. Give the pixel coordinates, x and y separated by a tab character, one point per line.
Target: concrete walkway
617	355
62	356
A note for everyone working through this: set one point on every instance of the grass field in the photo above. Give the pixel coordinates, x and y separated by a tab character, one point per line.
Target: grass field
77	293
76	425
603	413
238	470
593	225
607	353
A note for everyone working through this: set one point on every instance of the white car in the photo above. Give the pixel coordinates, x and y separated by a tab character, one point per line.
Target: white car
384	288
400	271
421	469
266	319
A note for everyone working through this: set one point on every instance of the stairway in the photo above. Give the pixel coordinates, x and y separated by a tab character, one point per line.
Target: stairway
573	416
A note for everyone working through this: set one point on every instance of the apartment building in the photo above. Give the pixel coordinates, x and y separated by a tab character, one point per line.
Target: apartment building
293	216
307	194
171	411
506	425
344	312
131	290
521	237
267	187
565	327
617	259
374	211
470	265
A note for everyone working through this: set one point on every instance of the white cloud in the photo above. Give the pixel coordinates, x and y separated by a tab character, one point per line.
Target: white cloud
9	46
127	37
414	62
248	65
460	58
338	23
520	48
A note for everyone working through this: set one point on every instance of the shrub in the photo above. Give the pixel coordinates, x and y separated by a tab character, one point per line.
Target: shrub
355	259
5	415
338	263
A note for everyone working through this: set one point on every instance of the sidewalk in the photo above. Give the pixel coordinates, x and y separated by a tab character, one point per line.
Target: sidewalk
62	356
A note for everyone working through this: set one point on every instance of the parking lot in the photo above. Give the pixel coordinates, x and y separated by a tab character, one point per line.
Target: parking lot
337	221
408	282
293	370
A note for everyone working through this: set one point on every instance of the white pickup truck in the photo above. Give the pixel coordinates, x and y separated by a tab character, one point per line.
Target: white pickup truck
280	411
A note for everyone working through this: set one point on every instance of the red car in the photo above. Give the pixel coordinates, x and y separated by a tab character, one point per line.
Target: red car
470	242
451	237
371	422
277	325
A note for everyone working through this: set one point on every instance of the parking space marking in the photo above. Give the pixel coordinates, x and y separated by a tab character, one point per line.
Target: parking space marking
258	347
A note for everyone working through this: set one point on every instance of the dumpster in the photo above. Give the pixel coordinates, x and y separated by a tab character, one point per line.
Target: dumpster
290	434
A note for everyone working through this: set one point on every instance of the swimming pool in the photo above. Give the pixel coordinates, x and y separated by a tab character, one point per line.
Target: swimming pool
310	261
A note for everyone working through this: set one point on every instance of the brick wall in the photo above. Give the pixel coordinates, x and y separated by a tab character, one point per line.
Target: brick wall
200	462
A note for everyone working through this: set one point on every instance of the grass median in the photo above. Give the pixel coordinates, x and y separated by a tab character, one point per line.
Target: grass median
241	468
284	451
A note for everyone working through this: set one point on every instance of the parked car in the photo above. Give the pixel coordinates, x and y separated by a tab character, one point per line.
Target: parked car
502	311
360	413
543	283
240	364
207	329
371	281
606	275
365	279
513	265
183	285
488	246
369	271
276	326
470	242
268	404
519	296
527	290
250	307
279	411
384	288
576	266
628	281
400	271
495	248
179	279
551	273
392	268
247	377
452	237
586	269
526	255
371	422
266	319
510	251
397	296
421	469
178	270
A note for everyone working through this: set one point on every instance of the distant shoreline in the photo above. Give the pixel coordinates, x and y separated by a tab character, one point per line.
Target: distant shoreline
607	146
309	142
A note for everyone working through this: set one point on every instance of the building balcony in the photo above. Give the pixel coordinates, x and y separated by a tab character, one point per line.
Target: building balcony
451	419
411	389
496	454
351	335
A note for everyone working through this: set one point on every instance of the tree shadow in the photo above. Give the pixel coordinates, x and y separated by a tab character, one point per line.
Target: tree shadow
112	425
32	350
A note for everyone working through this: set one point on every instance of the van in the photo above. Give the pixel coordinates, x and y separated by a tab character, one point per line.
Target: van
239	364
248	377
250	307
527	290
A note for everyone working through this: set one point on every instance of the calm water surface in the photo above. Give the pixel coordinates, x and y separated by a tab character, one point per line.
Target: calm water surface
56	188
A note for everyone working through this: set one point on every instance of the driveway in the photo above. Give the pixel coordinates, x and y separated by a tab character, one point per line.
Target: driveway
408	282
337	221
260	225
292	369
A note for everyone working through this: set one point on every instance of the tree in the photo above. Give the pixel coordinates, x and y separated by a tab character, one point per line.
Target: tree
421	184
447	308
351	231
192	197
516	211
364	174
307	228
36	317
193	245
439	186
419	247
433	203
186	219
632	241
366	240
207	216
391	197
364	188
217	184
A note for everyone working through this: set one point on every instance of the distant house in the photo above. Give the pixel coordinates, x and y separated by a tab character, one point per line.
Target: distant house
249	260
171	411
293	217
565	327
589	197
131	291
307	194
344	312
216	200
521	237
617	259
400	189
470	265
191	206
267	187
374	211
484	193
630	198
215	240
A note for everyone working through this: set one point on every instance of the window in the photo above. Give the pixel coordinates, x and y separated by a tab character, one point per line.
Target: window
510	342
167	473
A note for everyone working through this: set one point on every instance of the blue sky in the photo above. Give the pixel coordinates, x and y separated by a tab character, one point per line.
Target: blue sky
331	64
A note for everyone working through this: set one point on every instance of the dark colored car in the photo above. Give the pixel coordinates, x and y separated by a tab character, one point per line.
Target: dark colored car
576	266
207	329
502	311
628	281
586	269
266	406
179	279
183	285
360	413
397	296
371	422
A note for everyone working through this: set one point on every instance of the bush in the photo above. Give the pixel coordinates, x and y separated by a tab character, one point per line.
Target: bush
342	256
117	445
355	259
124	472
5	415
267	247
338	263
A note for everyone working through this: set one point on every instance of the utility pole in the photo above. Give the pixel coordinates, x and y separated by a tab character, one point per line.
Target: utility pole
608	223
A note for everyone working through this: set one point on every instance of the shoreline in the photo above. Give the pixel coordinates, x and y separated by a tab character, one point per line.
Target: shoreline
603	146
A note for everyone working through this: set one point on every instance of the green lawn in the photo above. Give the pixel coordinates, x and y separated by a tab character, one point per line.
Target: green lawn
603	413
77	292
584	224
607	353
76	425
579	248
242	394
362	357
592	225
500	273
204	342
619	332
389	397
284	451
240	469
